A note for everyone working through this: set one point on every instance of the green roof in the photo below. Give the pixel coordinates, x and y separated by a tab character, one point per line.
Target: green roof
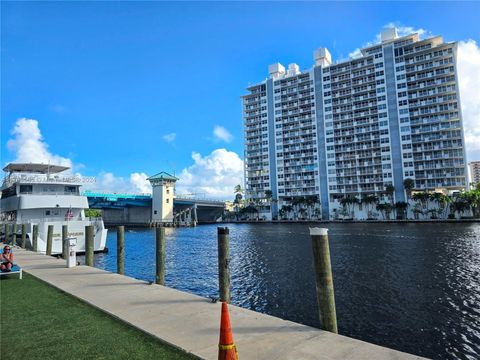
163	176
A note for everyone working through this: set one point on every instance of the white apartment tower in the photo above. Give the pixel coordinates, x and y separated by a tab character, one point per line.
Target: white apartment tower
353	127
474	172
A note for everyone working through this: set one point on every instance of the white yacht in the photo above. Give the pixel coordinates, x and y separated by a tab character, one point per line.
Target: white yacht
37	194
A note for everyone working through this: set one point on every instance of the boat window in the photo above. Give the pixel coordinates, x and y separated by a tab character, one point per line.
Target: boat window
71	189
10	191
26	189
47	212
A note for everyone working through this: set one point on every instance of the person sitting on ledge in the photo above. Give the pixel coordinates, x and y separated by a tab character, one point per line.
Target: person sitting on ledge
7	259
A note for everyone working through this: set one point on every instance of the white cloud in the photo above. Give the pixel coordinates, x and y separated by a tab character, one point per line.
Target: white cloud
469	80
214	175
223	134
169	137
140	183
29	146
401	31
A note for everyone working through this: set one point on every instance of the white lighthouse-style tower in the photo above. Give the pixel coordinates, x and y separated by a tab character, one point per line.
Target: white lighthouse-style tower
163	189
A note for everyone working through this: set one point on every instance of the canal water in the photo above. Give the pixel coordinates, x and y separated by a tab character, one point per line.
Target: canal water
411	287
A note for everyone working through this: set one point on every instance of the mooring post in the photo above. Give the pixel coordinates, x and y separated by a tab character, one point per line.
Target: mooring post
120	250
324	279
223	264
49	240
64	241
23	244
35	238
14	234
7	233
89	245
160	249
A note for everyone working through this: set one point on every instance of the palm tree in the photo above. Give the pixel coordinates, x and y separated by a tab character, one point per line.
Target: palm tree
296	201
423	198
268	197
459	205
472	197
238	189
390	190
408	184
369	200
348	204
417	211
401	209
237	202
385	209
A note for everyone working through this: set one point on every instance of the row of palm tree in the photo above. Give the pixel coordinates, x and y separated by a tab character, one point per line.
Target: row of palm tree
301	207
424	204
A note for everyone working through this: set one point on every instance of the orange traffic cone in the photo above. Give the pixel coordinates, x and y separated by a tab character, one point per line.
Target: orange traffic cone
226	348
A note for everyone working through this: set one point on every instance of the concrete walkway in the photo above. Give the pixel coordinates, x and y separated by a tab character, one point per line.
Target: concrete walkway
190	322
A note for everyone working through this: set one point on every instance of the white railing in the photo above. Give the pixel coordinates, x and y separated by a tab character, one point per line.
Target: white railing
29	179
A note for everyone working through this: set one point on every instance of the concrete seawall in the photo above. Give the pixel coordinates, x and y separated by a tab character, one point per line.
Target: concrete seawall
190	322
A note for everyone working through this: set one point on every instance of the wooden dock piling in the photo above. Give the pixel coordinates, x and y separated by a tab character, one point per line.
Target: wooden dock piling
35	238
160	256
14	234
23	243
223	263
7	233
49	240
64	241
89	236
324	279
120	250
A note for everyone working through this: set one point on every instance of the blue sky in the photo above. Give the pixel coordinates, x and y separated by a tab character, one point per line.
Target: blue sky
137	87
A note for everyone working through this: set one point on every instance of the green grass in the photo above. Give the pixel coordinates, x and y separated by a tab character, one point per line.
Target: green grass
41	322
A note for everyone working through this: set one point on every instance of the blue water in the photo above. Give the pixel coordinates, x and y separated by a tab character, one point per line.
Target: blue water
411	287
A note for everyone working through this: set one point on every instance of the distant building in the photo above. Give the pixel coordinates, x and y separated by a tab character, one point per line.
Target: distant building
163	191
474	172
354	127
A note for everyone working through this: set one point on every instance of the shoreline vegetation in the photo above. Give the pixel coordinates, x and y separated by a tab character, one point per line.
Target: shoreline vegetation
419	205
41	322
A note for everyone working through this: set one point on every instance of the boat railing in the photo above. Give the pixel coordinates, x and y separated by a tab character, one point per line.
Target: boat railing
52	219
52	179
49	193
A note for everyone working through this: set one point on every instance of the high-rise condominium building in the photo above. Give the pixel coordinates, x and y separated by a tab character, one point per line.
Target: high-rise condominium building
353	127
474	172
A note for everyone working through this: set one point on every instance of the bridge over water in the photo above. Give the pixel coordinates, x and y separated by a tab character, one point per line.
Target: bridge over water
136	209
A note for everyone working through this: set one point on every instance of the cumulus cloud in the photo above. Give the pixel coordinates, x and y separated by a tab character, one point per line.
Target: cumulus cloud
214	175
220	133
169	137
140	183
29	146
402	30
469	80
